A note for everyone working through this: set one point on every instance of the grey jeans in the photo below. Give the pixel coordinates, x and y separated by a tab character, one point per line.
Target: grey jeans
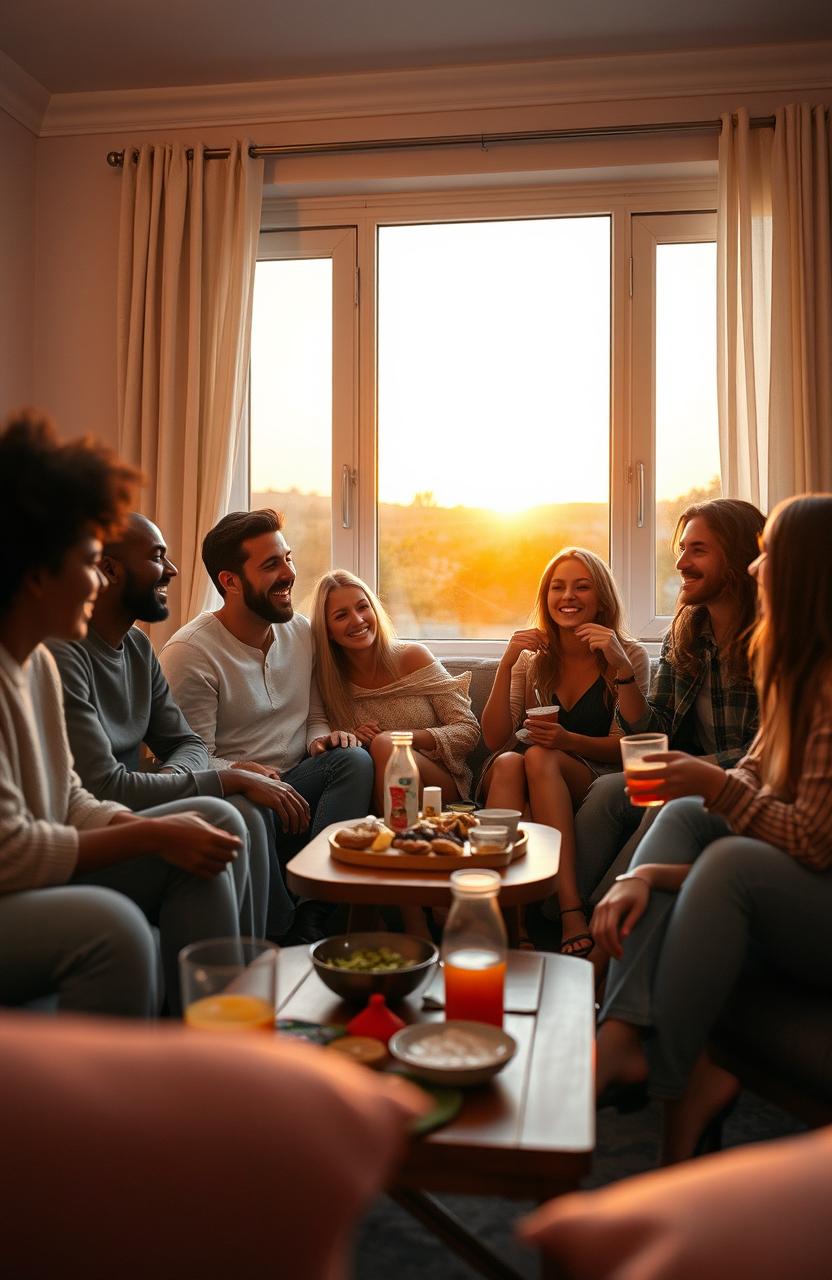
184	907
686	953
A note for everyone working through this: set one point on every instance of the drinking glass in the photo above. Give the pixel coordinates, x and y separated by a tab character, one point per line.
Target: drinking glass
644	793
229	984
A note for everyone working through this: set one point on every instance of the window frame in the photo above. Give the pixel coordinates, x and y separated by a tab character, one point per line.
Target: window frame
623	202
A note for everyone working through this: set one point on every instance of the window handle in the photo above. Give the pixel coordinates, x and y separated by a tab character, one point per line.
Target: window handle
640	483
349	477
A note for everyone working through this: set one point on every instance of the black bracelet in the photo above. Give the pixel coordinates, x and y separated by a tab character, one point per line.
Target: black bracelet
626	680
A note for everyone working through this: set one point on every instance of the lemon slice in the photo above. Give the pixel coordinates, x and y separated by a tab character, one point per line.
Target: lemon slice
383	840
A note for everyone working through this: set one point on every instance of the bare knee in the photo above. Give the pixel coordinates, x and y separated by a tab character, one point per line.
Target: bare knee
508	767
543	763
381	747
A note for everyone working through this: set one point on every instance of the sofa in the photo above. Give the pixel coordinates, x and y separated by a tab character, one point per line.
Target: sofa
775	1035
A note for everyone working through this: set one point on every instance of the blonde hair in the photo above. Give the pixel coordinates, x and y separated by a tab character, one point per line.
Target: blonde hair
791	646
545	668
331	662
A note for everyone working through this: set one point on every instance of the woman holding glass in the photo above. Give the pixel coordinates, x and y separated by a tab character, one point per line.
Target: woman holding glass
570	657
738	859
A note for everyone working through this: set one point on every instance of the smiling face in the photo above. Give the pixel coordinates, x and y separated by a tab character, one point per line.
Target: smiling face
267	577
146	571
351	622
67	598
701	563
571	599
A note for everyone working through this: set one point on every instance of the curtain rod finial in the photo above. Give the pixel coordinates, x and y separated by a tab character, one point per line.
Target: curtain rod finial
115	159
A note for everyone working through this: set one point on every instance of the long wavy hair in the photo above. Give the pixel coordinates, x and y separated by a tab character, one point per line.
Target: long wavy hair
791	646
545	668
737	526
331	661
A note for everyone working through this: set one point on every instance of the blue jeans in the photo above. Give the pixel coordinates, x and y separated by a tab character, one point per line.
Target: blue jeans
337	785
687	952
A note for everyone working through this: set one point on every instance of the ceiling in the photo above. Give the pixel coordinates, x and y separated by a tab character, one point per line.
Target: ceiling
86	45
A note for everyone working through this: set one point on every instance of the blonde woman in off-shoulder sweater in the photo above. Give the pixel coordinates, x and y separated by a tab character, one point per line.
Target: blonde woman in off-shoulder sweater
373	683
563	659
744	860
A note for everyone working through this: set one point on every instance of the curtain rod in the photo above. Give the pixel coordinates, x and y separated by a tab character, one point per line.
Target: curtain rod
484	140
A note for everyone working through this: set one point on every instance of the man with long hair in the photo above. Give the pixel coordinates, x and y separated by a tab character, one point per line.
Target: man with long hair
244	678
702	695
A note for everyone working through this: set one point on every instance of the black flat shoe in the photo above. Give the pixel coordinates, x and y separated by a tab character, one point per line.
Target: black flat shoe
626	1098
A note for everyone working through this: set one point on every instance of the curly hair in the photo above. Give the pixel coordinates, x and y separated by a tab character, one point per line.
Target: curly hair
51	493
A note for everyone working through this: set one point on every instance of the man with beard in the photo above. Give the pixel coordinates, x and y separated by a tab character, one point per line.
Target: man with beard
116	700
701	696
245	681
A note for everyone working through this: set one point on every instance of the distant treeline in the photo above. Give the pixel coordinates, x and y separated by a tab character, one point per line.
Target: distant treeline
464	571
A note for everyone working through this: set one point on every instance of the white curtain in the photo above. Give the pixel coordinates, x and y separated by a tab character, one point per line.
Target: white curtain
774	264
187	252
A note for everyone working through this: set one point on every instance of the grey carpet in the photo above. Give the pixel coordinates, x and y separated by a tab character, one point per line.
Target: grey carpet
390	1244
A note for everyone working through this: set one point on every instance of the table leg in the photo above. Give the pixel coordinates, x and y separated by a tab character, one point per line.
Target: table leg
448	1228
362	918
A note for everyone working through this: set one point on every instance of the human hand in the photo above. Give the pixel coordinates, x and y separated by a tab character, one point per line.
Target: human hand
543	732
367	731
290	806
529	638
617	912
251	766
338	738
604	641
678	774
186	840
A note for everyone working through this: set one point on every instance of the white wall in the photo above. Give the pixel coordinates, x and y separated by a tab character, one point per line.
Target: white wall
17	263
77	194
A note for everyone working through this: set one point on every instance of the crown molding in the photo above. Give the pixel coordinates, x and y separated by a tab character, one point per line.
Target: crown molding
21	96
798	68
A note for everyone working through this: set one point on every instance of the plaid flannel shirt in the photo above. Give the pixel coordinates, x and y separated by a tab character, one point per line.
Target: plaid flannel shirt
672	703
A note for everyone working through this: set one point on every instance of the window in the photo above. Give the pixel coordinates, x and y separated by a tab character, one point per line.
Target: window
518	375
675	429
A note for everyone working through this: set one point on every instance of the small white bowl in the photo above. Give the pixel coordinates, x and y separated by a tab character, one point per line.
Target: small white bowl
500	818
453	1053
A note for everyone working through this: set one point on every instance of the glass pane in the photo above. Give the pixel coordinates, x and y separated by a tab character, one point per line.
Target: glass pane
687	432
493	415
291	407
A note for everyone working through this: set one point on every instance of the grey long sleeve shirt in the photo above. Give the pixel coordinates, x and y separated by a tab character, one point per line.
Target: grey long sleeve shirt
117	699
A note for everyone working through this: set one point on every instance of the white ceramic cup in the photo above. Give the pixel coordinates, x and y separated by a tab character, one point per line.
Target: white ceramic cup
500	818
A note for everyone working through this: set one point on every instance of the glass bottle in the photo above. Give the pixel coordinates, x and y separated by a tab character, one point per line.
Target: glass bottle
474	949
401	784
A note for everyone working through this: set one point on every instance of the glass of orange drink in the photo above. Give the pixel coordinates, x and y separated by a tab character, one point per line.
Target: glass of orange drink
642	776
229	984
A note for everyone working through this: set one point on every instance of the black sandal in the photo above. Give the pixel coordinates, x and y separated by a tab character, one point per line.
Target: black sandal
581	944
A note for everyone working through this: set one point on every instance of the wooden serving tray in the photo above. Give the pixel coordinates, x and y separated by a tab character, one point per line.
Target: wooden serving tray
391	859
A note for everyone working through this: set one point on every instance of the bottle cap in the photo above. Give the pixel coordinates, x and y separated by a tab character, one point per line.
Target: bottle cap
475	883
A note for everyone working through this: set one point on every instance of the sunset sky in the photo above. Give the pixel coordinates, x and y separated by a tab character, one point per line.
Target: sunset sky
493	366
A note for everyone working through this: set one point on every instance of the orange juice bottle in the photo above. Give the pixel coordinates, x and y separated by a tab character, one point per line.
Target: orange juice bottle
474	949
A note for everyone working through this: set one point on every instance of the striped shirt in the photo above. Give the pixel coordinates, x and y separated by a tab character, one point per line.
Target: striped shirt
673	710
802	826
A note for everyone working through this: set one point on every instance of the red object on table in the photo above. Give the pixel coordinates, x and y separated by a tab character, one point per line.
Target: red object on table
376	1021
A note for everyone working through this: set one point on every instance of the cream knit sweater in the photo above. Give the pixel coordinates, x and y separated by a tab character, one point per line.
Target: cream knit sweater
42	803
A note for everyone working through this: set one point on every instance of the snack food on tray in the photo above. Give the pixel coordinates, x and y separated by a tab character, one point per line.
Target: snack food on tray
445	835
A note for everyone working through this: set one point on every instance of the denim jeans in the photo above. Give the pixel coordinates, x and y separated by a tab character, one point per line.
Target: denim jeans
338	785
687	952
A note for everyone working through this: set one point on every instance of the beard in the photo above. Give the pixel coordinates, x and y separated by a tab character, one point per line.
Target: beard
261	604
143	603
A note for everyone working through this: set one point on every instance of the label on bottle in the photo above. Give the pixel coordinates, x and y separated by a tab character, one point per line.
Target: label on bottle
401	792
